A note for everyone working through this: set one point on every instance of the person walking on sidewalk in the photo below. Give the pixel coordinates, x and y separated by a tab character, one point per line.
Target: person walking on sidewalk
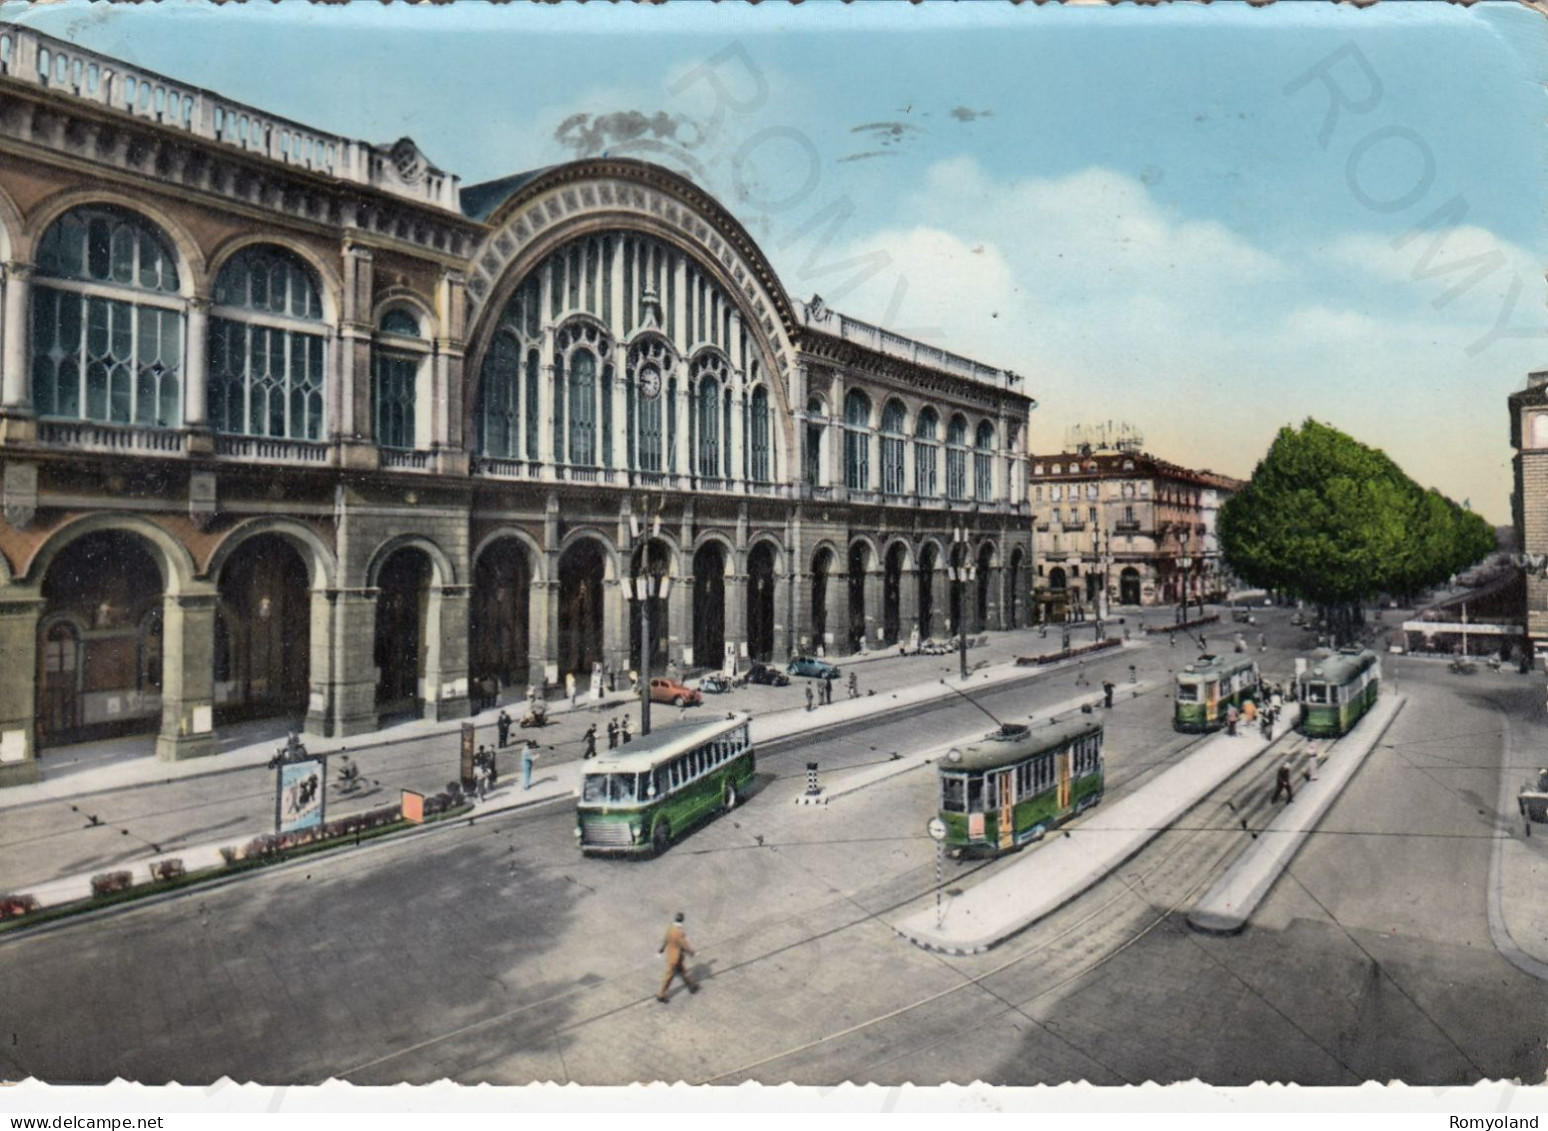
591	741
827	690
675	947
1231	717
612	734
1282	785
1312	761
854	685
528	756
627	731
809	697
503	728
571	689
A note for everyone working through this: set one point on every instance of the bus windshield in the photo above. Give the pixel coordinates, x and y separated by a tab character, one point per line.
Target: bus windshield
603	789
1187	693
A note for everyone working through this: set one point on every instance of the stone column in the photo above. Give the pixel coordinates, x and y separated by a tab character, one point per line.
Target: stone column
354	672
450	363
187	674
735	615
680	302
908	605
446	662
617	614
16	401
541	645
620	409
619	323
841	612
547	454
319	707
20	611
738	437
679	618
676	409
786	618
874	581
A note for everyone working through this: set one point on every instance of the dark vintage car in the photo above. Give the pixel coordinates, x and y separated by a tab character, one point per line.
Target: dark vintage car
772	677
812	667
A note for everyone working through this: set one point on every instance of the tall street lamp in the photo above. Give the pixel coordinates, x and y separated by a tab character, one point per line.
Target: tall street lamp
959	575
646	588
1186	563
1105	559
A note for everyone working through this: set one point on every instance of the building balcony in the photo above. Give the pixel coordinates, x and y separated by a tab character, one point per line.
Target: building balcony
404	459
1126	527
113	439
499	467
267	449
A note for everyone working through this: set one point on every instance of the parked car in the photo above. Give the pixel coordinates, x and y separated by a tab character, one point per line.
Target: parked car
715	684
675	693
812	667
772	677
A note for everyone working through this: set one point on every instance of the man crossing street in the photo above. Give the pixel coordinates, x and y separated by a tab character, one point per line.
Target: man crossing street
675	947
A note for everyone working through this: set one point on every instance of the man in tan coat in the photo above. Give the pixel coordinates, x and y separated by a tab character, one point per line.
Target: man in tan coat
675	947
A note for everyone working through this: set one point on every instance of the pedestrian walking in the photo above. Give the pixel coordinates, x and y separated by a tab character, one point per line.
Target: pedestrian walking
626	731
481	780
1231	717
528	757
591	742
1107	692
1282	785
809	697
1313	761
854	686
503	728
571	689
827	690
675	947
612	734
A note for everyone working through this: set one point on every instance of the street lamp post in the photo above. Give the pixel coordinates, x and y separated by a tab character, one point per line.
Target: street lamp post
1187	564
959	575
645	589
1105	559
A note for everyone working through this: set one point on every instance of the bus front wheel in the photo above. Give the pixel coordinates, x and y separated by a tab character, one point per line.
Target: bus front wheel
730	796
660	837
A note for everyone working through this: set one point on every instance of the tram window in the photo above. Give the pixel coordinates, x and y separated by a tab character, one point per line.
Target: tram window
1316	693
952	793
975	794
1187	693
992	791
1024	779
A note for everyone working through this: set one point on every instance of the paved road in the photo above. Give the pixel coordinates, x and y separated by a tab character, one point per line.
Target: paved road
497	953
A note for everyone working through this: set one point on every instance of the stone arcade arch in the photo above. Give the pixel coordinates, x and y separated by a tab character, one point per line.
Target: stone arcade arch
100	639
263	631
405	630
929	568
823	562
500	620
861	565
1129	586
984	608
582	569
1013	594
892	592
762	566
709	605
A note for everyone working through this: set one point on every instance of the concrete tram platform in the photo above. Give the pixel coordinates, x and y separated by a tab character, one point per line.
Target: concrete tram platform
1054	873
1228	905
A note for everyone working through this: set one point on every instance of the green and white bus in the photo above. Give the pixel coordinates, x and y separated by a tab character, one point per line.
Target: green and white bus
1335	691
1015	784
1209	688
637	799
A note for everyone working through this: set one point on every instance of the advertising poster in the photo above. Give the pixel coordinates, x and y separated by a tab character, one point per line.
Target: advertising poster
302	797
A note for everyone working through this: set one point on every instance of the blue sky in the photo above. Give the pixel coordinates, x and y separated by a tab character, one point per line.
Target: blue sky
1148	213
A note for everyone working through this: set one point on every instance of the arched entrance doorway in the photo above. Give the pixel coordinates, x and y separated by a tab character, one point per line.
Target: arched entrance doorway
1129	586
581	570
99	641
892	593
500	619
859	566
986	573
402	630
822	569
1013	590
1056	579
653	558
928	564
263	631
760	602
709	605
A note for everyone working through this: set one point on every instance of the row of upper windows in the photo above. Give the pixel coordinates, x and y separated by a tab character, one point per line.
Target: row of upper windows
927	424
1075	468
1057	492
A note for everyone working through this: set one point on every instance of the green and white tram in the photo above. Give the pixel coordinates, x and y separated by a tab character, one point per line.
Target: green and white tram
1335	691
1016	783
1208	689
636	800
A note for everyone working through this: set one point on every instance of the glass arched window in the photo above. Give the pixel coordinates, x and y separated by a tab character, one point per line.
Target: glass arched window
956	458
267	344
926	435
399	357
582	408
107	322
758	435
499	417
983	462
814	426
857	441
708	380
892	448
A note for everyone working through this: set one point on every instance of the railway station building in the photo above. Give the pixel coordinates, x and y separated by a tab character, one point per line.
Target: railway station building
1117	519
297	425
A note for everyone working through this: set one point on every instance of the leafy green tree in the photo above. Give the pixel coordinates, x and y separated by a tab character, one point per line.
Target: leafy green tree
1336	523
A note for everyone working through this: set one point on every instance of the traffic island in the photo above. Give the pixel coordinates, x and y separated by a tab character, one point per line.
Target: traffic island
1085	852
1229	904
